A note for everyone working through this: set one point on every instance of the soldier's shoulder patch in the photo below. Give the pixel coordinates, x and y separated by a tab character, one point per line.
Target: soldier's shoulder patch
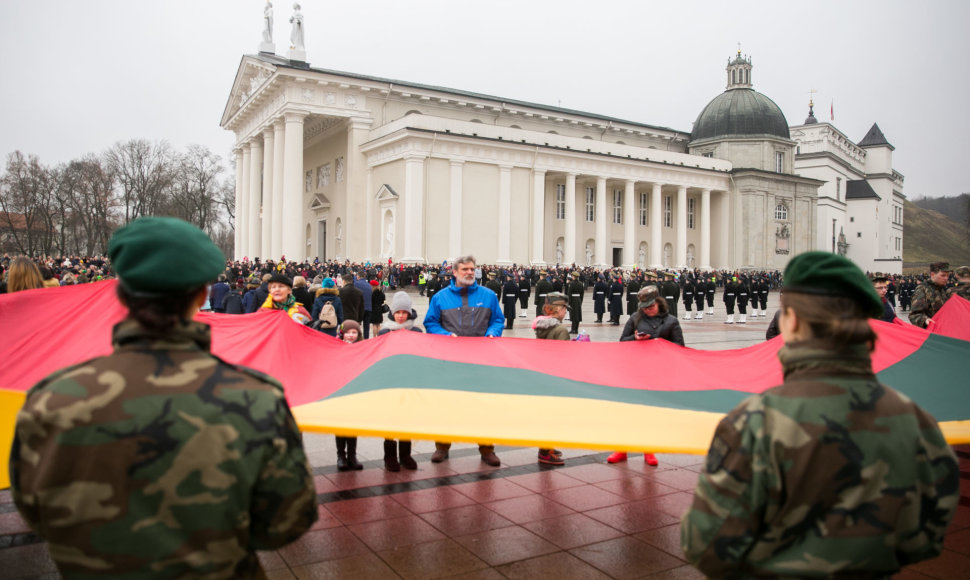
715	455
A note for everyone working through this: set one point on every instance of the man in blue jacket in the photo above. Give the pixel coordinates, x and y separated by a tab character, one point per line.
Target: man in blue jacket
464	308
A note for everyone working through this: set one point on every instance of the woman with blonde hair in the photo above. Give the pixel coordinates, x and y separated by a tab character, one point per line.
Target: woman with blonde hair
23	275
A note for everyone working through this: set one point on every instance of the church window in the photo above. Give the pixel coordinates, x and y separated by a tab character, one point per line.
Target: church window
781	212
858	234
779	162
590	203
561	202
617	206
734	77
709	154
690	212
643	209
668	211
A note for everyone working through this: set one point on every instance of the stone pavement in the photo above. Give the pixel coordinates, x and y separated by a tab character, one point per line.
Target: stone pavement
463	519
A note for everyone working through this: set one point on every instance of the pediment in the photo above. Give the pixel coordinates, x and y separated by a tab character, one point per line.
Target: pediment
250	78
319	202
387	193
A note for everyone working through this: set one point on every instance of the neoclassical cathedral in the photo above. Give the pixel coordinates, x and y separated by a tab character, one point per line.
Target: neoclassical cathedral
337	165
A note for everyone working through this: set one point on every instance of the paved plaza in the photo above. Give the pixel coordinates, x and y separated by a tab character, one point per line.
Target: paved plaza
462	519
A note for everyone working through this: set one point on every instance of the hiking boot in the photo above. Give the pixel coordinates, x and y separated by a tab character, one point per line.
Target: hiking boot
549	457
650	459
617	457
342	461
440	452
489	458
352	463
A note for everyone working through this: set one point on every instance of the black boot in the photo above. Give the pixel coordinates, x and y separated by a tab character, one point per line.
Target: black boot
352	463
390	456
342	454
404	452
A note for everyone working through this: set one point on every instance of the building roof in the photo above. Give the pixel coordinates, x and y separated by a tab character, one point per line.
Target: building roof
875	138
740	112
860	189
286	63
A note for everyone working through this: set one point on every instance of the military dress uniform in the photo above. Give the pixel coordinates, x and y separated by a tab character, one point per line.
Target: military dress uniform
600	290
576	291
730	296
510	295
709	294
632	287
525	289
543	289
616	301
700	291
687	291
670	290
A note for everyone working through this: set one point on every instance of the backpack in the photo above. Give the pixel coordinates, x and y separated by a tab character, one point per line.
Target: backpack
328	316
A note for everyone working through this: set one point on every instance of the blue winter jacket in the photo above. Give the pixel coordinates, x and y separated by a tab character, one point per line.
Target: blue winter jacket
471	311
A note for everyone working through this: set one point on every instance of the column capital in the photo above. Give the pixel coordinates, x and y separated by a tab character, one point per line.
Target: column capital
359	123
268	132
295	116
456	162
414	156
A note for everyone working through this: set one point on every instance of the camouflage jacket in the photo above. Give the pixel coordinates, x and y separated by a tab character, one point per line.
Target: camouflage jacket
962	289
160	460
830	474
927	301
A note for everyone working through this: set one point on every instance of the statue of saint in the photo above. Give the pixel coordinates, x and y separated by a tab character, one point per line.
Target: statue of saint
559	251
268	23
589	254
296	36
642	258
389	237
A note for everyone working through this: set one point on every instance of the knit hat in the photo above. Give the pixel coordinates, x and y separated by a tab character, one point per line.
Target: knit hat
347	325
827	274
328	283
164	255
400	301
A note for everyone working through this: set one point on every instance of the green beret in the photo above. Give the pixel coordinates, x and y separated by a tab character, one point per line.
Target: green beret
163	255
828	274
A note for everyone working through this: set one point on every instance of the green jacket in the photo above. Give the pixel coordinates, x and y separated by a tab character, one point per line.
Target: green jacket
829	473
160	459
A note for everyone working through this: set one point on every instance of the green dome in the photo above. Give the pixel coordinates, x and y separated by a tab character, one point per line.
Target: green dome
740	112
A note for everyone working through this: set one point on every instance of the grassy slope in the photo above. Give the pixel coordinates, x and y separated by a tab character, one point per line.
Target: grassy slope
930	236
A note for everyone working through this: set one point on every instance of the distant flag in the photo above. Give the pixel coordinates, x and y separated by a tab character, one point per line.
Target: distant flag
832	109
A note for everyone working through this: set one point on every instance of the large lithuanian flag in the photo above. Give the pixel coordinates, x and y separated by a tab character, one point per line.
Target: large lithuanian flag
648	396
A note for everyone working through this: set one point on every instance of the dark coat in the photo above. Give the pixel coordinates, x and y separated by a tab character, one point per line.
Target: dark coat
616	300
353	303
631	296
543	287
510	294
232	302
600	289
576	293
663	325
323	296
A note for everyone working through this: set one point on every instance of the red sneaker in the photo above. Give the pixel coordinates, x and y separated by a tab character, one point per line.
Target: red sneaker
650	459
617	457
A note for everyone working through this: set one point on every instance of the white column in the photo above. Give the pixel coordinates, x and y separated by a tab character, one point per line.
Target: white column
455	219
279	143
237	234
370	215
569	253
504	215
538	216
293	243
681	261
242	211
705	229
266	235
629	226
602	201
726	259
414	208
656	252
255	193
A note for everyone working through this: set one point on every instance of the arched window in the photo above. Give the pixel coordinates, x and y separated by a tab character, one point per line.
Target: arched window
781	212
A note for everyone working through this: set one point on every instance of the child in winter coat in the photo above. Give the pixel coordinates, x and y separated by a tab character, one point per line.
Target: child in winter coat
402	316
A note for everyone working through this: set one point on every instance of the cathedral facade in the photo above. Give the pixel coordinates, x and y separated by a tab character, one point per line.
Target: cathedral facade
336	165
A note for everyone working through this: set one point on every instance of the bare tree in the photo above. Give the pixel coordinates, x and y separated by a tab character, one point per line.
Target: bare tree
144	174
195	185
87	188
26	202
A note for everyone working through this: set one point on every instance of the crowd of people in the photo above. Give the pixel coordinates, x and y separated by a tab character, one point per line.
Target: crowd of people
793	483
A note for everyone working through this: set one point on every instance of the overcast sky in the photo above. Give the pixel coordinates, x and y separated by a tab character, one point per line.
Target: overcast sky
81	75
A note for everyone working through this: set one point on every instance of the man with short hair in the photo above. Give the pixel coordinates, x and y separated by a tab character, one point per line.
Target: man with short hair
465	308
881	284
365	290
351	298
930	295
962	288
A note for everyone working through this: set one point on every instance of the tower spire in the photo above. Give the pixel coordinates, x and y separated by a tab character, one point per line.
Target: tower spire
739	71
811	120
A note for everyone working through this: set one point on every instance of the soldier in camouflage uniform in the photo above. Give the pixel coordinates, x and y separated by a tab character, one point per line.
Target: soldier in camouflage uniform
161	460
930	295
830	474
962	289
